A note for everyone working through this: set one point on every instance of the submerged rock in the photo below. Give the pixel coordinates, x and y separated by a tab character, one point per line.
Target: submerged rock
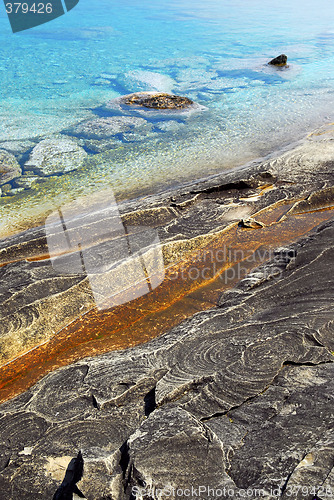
14	191
137	137
55	156
5	188
169	126
102	128
147	80
279	60
25	181
18	147
9	167
100	145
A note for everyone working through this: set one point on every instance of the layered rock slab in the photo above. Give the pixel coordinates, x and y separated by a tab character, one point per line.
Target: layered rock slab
229	382
239	395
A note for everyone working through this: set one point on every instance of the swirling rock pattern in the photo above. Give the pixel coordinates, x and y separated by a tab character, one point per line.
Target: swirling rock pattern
235	397
238	396
30	311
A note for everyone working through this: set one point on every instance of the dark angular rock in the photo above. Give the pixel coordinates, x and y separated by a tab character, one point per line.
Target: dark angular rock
292	410
279	60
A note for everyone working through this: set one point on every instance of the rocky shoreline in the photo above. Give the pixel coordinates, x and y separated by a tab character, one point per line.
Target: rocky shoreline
236	396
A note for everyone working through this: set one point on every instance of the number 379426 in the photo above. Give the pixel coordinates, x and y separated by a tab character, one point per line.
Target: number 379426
24	8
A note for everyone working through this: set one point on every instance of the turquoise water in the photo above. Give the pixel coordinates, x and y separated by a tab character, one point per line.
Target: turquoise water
214	52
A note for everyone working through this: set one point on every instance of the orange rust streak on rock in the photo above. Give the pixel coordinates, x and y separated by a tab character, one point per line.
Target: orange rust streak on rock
151	315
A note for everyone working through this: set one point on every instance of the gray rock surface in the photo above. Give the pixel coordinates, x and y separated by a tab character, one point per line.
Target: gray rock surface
55	156
235	397
13	191
29	313
238	397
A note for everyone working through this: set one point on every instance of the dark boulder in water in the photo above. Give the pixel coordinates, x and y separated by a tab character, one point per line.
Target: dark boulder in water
279	60
159	100
151	103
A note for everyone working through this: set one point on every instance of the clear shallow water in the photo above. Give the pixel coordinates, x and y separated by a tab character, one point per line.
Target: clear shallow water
214	52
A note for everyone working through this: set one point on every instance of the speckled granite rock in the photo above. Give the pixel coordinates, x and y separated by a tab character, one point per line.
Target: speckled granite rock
55	156
158	101
152	104
239	396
